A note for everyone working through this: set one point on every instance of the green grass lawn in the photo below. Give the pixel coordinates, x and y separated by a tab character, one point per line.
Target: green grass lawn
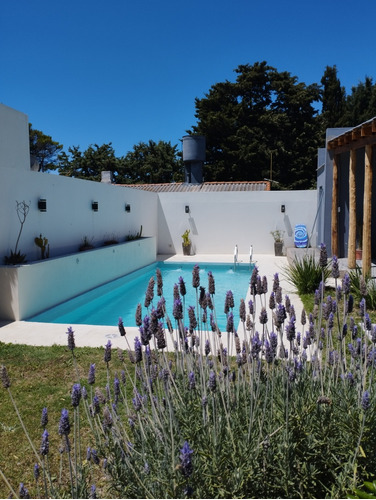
40	377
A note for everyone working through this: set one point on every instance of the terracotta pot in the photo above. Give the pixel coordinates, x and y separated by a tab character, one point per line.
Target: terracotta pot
358	254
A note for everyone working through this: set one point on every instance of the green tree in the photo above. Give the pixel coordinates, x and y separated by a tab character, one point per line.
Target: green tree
44	149
90	163
151	163
360	104
333	98
264	124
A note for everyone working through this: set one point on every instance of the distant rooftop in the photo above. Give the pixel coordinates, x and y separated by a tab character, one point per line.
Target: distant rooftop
177	187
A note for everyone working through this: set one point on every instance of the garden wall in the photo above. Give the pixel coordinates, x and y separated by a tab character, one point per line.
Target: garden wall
220	220
31	288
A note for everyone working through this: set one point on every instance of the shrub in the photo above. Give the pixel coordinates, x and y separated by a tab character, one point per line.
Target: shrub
306	274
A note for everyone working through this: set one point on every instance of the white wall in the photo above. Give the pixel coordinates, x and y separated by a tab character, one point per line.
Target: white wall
218	221
14	139
69	216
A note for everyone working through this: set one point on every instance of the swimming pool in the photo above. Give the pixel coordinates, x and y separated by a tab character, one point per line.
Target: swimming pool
119	298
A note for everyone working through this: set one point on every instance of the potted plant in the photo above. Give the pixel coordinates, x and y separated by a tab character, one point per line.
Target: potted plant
187	244
278	241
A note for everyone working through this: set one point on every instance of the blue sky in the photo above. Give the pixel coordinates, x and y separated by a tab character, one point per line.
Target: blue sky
89	72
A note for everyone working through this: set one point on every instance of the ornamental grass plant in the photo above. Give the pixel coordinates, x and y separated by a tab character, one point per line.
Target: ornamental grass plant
252	412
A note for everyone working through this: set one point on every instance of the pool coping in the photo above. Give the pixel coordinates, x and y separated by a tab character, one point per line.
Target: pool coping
48	334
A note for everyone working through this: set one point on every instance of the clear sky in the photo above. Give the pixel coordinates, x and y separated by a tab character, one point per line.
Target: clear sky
124	71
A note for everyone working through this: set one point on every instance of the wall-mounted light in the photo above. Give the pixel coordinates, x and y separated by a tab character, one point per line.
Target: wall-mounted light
94	206
283	209
127	207
42	205
187	209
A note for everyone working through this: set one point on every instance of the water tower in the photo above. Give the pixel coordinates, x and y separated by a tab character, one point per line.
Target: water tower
194	154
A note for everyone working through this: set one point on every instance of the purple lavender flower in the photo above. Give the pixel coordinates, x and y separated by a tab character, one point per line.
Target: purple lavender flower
149	292
253	281
186	465
275	282
202	298
196	276
229	301
138	315
272	301
230	323
76	395
212	384
191	381
161	338
116	388
281	315
335	268
107	352
250	307
44	418
96	405
24	493
367	322
45	445
182	287
36	472
209	301
211	283
64	425
137	400
137	350
366	401
242	311
290	330
93	492
91	375
71	342
256	345
346	284
323	256
278	295
4	377
269	353
121	327
264	284
159	282
273	338
192	318
350	304
263	316
362	307
363	286
178	310
94	456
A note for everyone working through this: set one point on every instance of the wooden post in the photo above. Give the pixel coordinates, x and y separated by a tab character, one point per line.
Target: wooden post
367	210
335	207
352	211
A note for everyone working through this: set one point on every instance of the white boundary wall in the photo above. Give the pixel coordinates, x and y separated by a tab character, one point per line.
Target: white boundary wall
218	221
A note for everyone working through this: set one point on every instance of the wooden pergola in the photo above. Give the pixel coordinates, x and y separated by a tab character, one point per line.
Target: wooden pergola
361	136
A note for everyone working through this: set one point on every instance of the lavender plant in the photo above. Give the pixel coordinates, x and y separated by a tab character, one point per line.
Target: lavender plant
263	411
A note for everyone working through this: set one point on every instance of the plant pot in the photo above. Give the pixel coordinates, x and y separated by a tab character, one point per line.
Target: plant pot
278	248
358	254
187	249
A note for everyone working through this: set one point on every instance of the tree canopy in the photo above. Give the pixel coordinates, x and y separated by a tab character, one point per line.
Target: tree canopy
44	149
151	163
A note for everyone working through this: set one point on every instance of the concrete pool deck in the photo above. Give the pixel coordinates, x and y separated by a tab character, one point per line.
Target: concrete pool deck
48	334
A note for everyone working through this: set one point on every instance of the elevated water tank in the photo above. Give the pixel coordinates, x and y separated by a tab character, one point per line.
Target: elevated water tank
194	154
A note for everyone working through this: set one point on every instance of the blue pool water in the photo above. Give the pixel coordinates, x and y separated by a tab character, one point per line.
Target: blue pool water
119	298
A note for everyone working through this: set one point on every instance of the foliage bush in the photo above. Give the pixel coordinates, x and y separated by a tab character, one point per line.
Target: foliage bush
358	281
306	274
279	414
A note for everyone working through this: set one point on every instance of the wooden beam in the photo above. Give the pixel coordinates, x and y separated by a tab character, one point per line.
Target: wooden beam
352	211
367	210
334	237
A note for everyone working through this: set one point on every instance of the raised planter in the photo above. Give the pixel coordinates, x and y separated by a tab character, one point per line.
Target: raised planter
31	288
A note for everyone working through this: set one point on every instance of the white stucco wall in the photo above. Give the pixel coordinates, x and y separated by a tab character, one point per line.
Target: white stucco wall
218	221
14	139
